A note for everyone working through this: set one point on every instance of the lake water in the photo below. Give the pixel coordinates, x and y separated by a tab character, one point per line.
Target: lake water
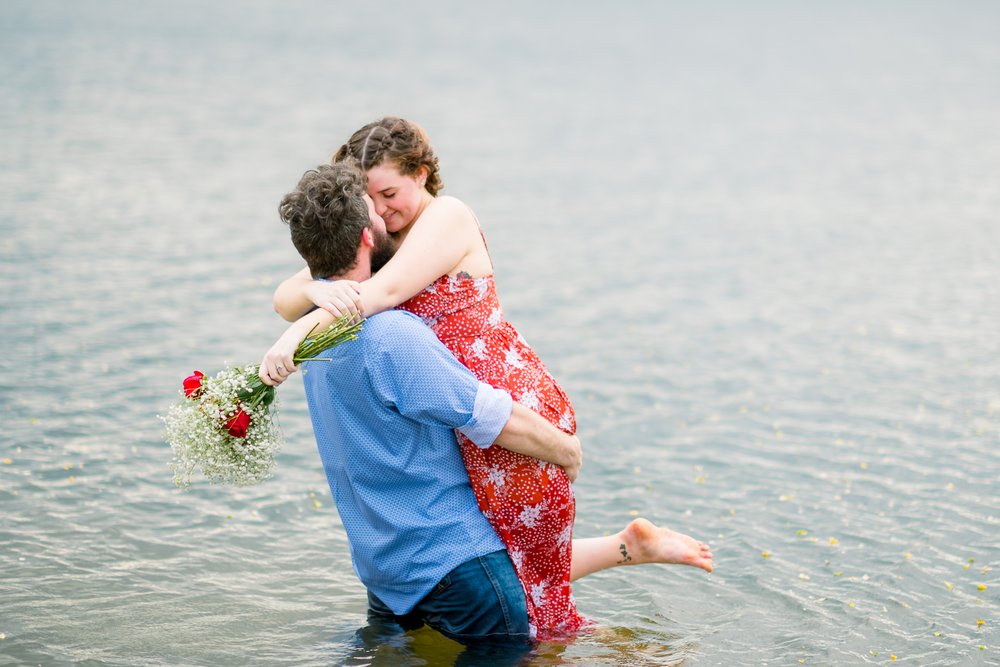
758	243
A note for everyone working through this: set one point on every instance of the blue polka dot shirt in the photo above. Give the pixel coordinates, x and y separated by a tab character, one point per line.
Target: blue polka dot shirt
384	411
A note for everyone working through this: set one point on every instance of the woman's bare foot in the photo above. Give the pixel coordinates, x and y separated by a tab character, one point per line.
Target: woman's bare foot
644	542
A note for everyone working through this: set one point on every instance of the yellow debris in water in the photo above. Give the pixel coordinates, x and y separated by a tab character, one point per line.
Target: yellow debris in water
980	621
766	554
851	604
981	587
834	542
7	461
907	555
949	585
801	532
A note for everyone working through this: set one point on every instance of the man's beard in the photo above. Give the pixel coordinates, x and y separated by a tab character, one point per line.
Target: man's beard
382	252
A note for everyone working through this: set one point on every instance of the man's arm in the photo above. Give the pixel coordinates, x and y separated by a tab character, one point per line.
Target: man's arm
527	432
413	371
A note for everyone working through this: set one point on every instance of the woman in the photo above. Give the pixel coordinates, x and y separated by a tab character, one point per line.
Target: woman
442	272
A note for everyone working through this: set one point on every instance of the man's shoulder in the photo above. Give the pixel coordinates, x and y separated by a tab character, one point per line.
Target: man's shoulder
391	335
402	338
387	326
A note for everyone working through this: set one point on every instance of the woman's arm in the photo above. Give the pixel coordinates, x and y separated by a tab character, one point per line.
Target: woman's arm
290	300
444	235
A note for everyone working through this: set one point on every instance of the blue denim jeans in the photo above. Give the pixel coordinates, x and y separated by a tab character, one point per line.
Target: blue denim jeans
480	599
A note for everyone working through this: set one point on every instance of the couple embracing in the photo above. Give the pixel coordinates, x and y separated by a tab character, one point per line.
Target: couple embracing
447	444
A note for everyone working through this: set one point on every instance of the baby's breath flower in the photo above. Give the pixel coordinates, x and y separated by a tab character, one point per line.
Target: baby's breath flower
204	430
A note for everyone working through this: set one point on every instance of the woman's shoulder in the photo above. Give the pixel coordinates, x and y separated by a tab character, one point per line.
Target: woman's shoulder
448	215
452	207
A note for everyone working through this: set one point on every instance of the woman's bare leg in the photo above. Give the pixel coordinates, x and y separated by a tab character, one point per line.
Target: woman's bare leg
640	542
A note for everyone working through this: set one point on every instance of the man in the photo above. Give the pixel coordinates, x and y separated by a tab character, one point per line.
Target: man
384	410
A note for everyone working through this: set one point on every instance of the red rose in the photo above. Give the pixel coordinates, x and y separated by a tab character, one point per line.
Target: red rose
238	424
192	384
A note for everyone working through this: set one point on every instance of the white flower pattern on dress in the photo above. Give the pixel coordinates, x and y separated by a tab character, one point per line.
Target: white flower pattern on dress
538	594
530	400
496	477
565	536
566	421
482	285
529	515
513	359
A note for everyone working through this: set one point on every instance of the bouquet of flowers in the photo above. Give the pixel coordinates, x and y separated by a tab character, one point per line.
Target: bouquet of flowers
224	426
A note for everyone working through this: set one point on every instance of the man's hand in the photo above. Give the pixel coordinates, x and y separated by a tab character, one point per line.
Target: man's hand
575	456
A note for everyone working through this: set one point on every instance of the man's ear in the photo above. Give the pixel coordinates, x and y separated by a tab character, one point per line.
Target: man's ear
367	238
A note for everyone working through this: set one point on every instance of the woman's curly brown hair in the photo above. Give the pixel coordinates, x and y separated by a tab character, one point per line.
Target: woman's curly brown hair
403	143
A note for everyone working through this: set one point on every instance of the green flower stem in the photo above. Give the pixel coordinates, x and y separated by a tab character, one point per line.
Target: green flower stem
339	332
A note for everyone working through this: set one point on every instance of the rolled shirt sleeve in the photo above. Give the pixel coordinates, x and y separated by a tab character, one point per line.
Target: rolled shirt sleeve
412	371
490	414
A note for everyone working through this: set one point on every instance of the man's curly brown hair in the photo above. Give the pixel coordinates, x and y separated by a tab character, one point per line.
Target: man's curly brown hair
325	214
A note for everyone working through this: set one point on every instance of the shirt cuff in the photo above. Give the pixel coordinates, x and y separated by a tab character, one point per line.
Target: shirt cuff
489	415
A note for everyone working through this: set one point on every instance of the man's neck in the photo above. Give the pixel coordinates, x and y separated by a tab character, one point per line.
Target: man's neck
358	273
362	269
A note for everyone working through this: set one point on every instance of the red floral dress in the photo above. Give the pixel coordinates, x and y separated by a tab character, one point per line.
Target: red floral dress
529	503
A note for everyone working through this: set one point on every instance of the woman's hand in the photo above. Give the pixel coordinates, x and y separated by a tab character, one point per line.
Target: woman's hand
337	297
277	364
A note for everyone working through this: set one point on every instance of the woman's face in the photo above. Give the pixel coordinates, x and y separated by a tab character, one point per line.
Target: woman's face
398	199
